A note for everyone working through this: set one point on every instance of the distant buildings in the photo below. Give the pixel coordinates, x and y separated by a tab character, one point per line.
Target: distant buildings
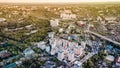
110	19
99	18
2	19
28	26
31	32
54	23
67	15
61	30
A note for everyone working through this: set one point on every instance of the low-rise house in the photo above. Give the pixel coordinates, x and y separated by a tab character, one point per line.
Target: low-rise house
29	26
108	49
81	23
20	28
31	32
61	30
110	58
49	64
28	53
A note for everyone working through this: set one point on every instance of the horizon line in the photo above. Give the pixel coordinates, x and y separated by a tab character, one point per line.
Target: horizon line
59	2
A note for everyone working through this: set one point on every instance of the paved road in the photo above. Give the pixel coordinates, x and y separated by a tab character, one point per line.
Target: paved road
87	57
115	42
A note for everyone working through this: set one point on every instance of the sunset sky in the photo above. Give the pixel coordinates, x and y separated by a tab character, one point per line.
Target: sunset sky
50	1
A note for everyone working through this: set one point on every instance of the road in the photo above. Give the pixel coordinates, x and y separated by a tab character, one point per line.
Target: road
87	57
103	37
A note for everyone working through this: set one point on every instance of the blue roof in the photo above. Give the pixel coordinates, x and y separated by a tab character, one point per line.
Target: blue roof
109	47
10	65
72	37
116	50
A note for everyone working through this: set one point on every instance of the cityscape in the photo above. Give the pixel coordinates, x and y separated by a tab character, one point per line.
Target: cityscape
60	35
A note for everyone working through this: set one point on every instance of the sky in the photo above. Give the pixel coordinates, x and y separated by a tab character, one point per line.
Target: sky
52	1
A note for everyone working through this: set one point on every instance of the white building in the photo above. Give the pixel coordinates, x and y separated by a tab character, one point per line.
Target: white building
51	34
33	31
110	18
28	26
99	18
83	44
47	49
40	44
28	52
61	30
2	19
66	15
110	58
53	51
54	23
60	56
53	43
71	56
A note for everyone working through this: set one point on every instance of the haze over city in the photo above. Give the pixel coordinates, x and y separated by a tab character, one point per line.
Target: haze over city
54	1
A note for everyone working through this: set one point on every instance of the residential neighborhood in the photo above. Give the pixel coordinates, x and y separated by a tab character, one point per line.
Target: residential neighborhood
60	35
